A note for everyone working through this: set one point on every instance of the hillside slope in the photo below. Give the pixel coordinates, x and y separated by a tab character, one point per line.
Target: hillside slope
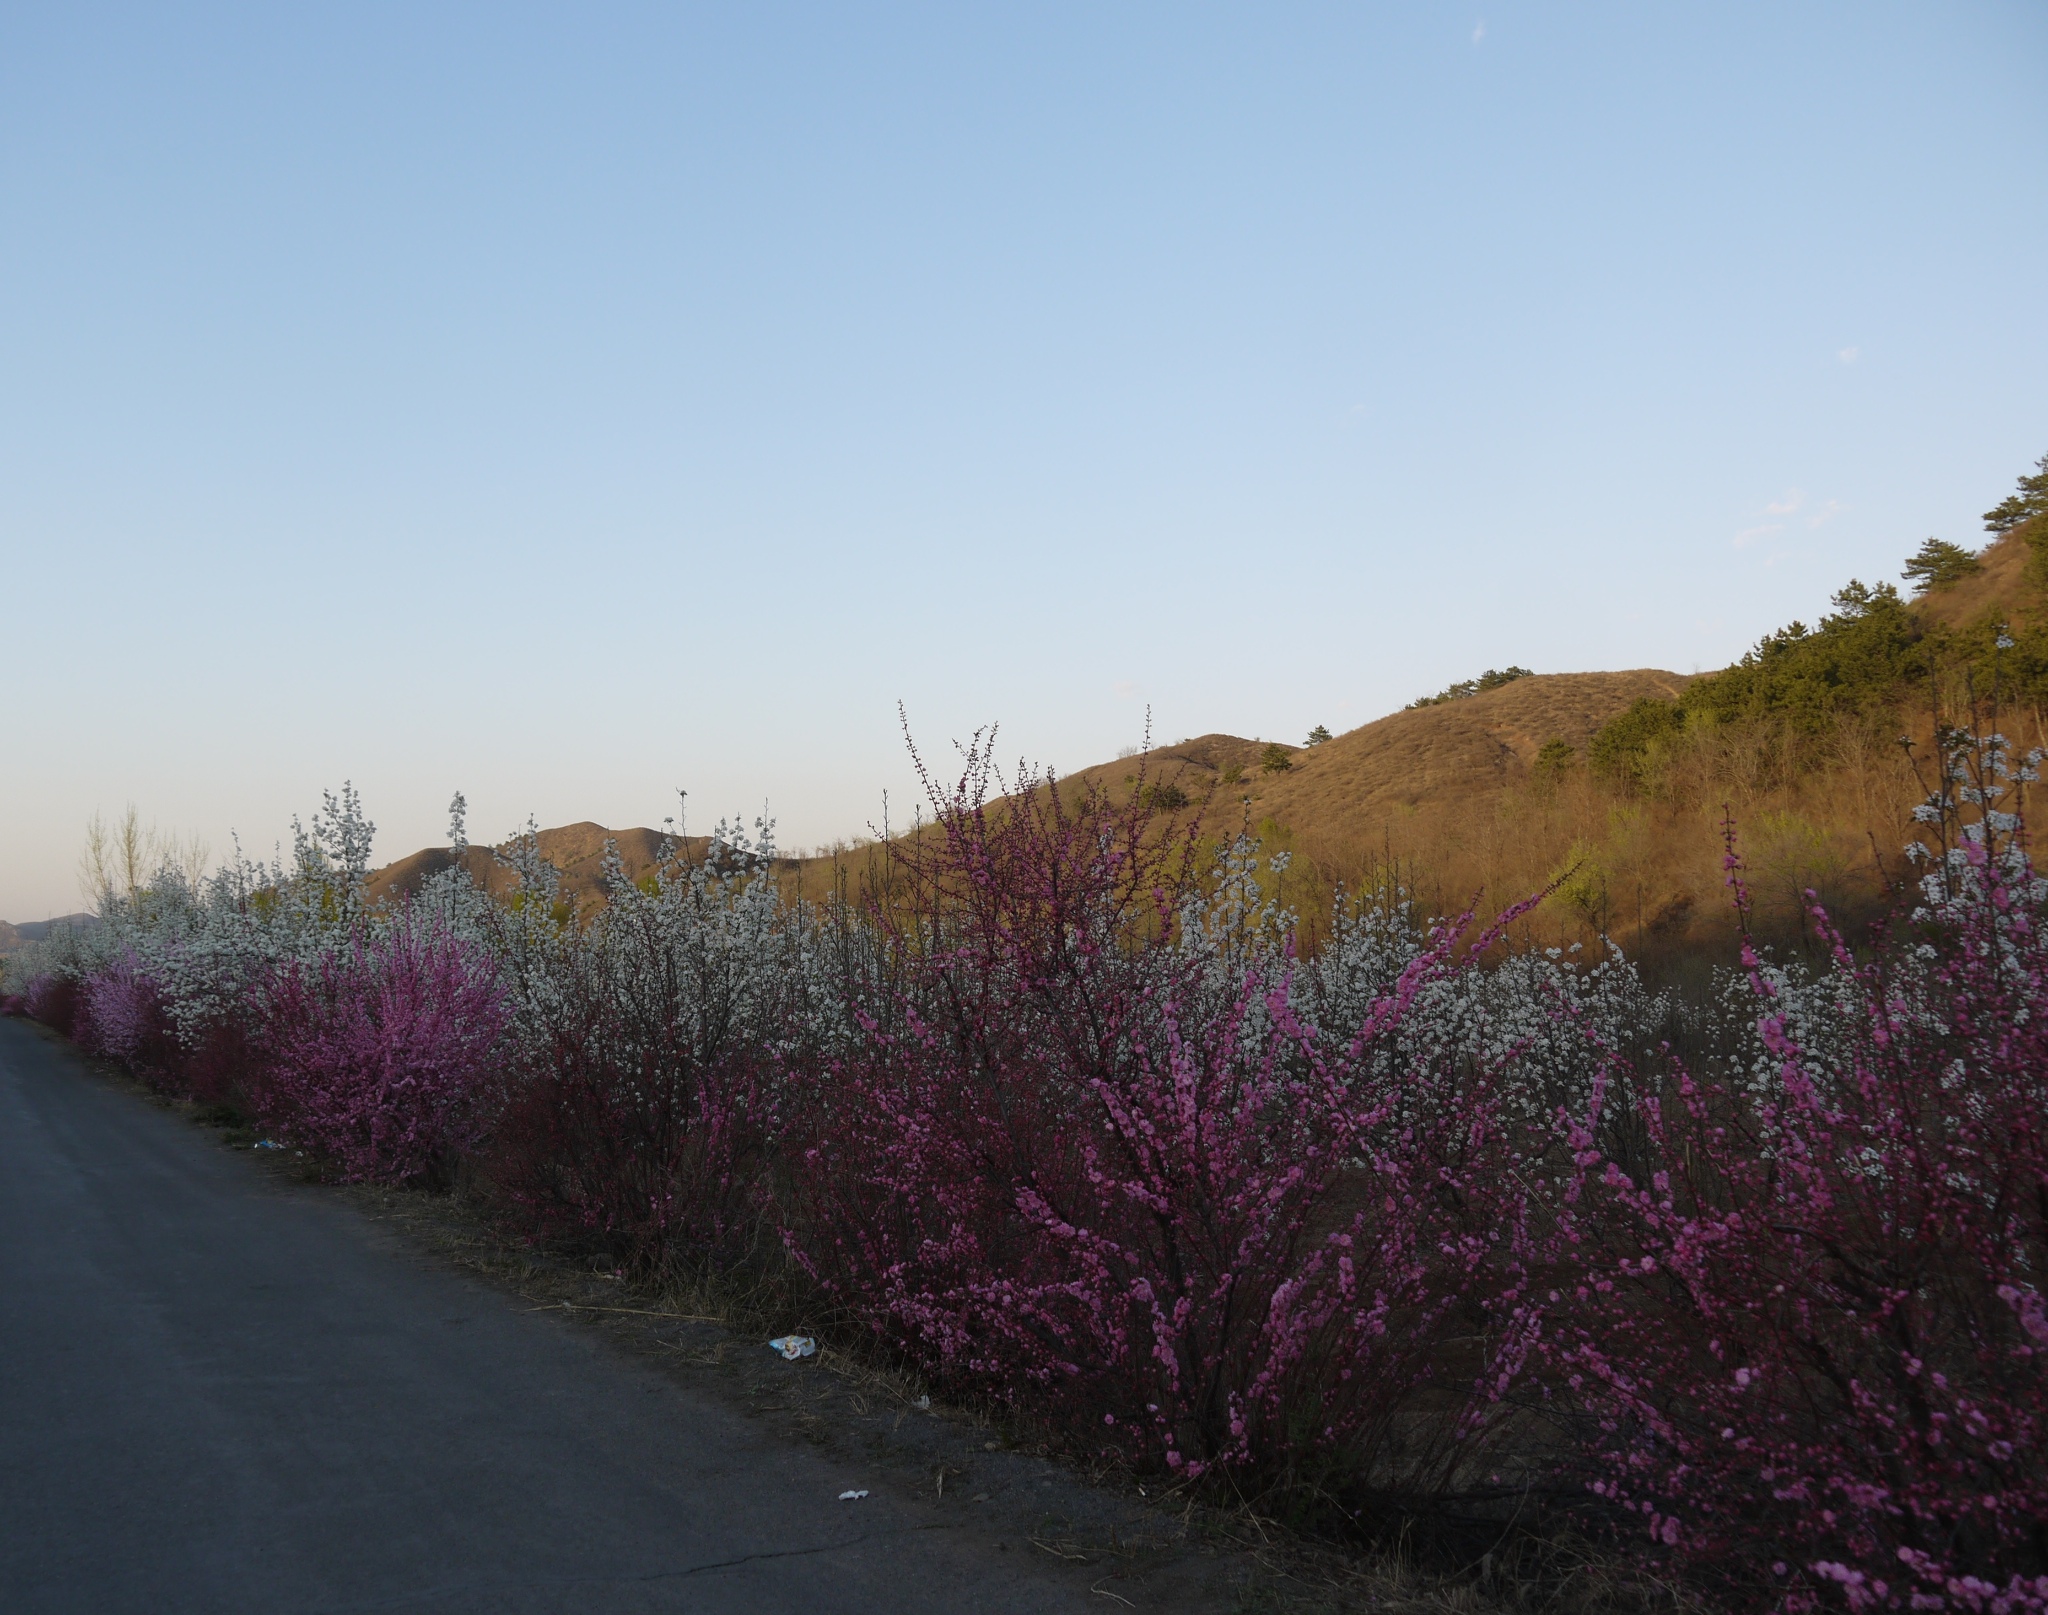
1434	758
576	850
1410	762
1998	588
1429	760
1448	795
13	938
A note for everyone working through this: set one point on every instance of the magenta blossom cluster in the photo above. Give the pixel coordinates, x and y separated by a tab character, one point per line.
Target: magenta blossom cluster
1805	1326
379	1054
1059	1169
121	1013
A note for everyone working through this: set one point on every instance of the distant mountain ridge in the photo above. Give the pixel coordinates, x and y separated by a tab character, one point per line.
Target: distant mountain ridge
15	937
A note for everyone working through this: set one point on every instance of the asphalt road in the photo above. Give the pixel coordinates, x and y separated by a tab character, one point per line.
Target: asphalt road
223	1391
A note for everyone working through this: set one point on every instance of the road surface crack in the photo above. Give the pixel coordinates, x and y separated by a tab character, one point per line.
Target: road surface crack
427	1594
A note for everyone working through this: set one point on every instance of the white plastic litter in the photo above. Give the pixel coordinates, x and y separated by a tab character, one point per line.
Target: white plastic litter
853	1497
793	1346
923	1404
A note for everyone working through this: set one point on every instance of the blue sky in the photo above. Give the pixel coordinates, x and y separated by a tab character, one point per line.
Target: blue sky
573	404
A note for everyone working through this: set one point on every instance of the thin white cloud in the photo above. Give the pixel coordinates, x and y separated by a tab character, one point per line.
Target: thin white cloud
1479	32
1771	519
1849	355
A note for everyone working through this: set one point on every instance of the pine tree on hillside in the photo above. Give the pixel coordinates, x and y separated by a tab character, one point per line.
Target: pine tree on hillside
2030	501
1939	563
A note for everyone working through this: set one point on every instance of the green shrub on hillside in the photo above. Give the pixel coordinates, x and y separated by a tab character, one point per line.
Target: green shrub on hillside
2026	507
2005	665
1581	887
1799	679
1869	655
1164	797
1555	760
1628	749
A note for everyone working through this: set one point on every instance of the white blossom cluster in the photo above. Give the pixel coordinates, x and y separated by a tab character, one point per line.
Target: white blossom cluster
1974	840
207	945
1536	1022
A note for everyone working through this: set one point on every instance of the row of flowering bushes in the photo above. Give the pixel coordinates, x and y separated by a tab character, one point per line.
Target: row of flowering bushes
376	1055
1413	1227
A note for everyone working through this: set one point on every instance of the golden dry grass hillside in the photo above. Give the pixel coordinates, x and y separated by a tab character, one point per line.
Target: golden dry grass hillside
1450	802
1433	759
1427	760
1499	795
575	850
1446	800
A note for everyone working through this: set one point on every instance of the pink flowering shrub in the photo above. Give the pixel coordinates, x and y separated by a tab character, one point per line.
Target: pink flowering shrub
122	1011
52	998
221	1062
122	1014
1181	1226
381	1053
631	1135
1803	1320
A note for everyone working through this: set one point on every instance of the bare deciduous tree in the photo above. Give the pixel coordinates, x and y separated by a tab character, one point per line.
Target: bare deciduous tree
121	858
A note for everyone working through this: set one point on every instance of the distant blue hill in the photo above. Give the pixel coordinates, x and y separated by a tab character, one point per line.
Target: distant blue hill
20	936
